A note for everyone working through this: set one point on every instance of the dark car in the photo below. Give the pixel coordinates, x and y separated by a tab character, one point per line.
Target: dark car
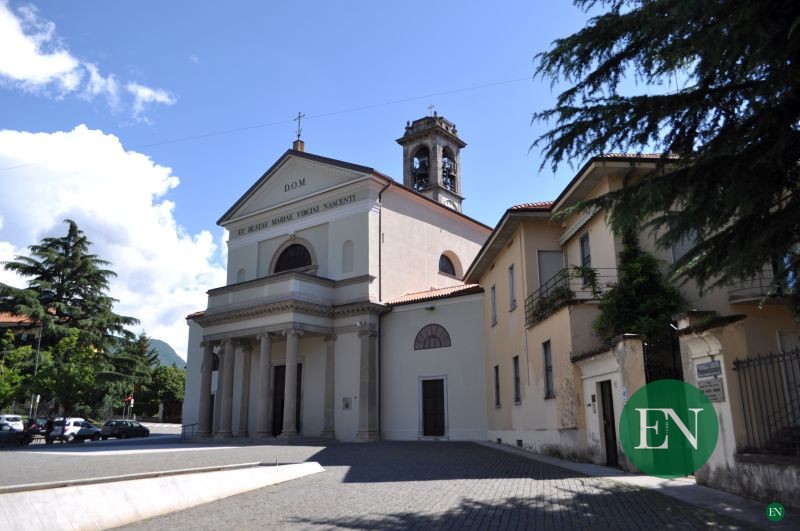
10	435
122	429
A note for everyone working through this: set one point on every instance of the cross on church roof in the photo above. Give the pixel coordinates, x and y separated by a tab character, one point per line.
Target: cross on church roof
430	109
300	116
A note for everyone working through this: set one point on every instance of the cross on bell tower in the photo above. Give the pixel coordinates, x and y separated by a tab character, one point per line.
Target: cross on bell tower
431	159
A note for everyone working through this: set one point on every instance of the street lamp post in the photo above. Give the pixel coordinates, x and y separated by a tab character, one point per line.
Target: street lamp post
34	396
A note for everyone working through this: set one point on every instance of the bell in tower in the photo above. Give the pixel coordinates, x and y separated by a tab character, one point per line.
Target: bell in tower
431	156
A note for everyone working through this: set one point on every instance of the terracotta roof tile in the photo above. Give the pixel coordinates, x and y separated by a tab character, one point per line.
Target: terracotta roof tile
539	205
195	315
637	155
10	318
434	294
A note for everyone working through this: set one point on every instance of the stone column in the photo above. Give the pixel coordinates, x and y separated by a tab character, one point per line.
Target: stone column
226	409
368	393
290	387
264	385
203	417
244	399
218	392
330	363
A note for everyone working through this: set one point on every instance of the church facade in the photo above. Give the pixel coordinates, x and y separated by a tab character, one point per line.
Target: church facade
344	314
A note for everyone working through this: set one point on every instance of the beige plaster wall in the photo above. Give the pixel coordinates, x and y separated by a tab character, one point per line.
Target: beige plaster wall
415	235
461	366
506	338
537	236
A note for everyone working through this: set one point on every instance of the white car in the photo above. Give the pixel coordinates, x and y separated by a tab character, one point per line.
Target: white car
15	421
72	429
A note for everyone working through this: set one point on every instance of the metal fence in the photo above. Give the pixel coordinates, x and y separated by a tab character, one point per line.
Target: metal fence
770	392
188	431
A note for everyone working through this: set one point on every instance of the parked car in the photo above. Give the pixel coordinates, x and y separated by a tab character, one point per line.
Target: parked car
73	429
15	421
122	429
11	435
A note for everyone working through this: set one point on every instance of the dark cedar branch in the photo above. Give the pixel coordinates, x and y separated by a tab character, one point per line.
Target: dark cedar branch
734	124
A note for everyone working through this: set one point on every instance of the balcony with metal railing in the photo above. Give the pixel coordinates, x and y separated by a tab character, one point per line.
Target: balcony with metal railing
761	286
569	285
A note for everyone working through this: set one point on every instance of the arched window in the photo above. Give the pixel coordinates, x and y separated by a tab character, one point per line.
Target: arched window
241	275
446	266
449	170
293	257
347	256
432	336
420	168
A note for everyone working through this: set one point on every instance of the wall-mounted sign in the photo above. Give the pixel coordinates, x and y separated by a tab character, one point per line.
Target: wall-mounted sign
713	389
709	369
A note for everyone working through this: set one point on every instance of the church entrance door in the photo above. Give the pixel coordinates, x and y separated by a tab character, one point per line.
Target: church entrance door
279	386
433	408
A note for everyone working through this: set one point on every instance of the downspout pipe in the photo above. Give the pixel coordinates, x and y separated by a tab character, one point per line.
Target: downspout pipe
380	299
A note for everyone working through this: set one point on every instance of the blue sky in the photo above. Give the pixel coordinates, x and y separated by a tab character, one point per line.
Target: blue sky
112	114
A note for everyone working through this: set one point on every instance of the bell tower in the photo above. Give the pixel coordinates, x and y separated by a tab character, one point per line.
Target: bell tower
432	159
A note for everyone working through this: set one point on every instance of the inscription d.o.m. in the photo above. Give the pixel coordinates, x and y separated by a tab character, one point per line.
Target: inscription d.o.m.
294	184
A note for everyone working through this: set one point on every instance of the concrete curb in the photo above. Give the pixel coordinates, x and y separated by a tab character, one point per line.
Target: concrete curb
684	489
92	506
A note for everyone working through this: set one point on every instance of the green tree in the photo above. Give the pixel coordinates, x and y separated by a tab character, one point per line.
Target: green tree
12	378
75	375
168	386
642	302
131	363
67	290
728	123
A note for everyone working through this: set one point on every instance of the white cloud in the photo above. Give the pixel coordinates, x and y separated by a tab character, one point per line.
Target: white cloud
117	197
99	85
143	95
32	58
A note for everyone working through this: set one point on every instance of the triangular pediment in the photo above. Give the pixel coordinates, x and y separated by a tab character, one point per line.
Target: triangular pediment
294	176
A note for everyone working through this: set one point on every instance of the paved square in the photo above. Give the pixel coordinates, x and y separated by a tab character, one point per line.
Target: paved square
439	486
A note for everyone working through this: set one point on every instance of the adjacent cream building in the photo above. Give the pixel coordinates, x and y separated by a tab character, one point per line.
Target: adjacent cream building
318	331
553	387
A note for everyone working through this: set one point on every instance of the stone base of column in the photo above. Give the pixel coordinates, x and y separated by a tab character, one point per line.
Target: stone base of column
221	434
328	434
203	434
368	436
264	434
288	435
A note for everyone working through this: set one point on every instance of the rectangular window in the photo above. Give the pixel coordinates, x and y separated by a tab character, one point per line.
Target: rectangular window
512	292
683	246
517	392
586	253
493	295
549	390
496	386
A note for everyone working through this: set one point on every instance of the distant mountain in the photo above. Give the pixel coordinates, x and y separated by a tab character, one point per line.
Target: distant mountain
166	354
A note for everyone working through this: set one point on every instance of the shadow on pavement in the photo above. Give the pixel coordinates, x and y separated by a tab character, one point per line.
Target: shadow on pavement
617	508
430	461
